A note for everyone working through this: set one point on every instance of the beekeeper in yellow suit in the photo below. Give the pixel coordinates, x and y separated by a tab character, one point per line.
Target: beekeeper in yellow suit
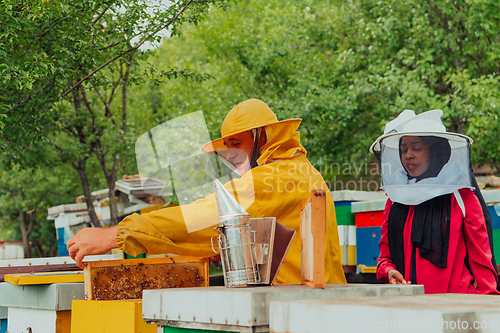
275	174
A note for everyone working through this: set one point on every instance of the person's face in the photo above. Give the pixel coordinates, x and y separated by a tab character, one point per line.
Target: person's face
414	155
239	157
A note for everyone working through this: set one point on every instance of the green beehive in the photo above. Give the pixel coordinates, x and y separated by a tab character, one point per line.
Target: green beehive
343	213
496	243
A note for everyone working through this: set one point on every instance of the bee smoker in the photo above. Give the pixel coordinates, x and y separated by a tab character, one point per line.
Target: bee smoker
236	240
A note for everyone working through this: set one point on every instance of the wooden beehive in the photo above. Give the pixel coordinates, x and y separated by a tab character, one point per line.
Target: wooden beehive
126	279
123	316
44	278
312	236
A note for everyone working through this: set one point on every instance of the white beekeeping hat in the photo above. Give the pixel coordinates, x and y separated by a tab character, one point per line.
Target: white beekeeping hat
451	149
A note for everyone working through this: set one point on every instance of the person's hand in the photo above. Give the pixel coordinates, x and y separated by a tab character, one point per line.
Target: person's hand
395	277
89	241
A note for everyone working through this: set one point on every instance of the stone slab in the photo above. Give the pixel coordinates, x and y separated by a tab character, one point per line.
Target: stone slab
54	260
368	206
491	196
419	313
56	297
221	308
347	195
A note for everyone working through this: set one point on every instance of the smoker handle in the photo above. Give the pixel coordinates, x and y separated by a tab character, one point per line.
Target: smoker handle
212	241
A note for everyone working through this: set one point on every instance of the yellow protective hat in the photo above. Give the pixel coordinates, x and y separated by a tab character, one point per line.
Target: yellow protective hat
247	115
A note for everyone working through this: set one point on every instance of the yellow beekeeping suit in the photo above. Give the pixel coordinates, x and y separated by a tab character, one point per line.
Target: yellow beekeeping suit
276	188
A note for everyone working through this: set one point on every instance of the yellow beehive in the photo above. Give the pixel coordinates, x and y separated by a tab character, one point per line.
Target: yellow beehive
351	255
63	321
347	240
124	316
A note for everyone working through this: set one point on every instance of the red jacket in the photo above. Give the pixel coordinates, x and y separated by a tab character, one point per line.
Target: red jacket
467	235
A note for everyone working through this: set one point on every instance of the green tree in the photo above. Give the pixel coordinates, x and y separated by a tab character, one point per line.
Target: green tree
50	48
348	67
25	195
61	53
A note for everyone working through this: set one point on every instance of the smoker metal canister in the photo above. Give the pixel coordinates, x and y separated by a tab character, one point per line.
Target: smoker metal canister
238	255
236	240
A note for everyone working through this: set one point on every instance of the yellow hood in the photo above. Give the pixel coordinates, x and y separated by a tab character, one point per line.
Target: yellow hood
282	137
283	141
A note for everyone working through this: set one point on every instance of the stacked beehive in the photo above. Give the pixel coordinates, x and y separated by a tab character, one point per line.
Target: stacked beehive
492	199
346	222
113	291
368	221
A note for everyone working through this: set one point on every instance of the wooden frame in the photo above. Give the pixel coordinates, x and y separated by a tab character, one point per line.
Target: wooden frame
312	237
110	279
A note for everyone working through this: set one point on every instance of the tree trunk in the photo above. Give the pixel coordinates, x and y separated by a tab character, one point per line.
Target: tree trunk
99	151
80	166
113	210
25	231
457	124
110	176
38	249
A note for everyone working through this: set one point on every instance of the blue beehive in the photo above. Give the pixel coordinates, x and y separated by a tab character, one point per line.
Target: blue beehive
495	218
367	251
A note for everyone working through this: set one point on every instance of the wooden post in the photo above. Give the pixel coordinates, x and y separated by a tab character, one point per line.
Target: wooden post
312	236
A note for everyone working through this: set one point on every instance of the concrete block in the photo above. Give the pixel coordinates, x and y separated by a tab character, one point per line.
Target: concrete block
55	297
420	313
245	309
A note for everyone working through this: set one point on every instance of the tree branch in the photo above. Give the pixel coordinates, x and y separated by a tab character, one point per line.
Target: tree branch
27	99
126	52
92	73
63	19
124	95
100	15
132	49
95	88
86	102
141	42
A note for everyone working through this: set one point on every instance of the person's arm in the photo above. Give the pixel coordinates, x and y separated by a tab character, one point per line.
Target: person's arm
386	270
477	243
89	241
185	230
